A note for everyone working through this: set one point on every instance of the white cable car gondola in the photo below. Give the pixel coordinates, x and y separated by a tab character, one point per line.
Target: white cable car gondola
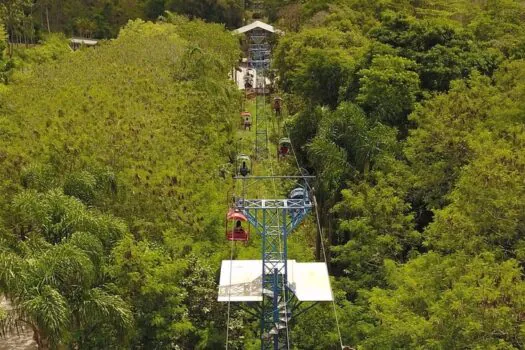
298	193
244	165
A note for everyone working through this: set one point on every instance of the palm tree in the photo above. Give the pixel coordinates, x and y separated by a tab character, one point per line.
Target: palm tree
53	277
53	294
345	146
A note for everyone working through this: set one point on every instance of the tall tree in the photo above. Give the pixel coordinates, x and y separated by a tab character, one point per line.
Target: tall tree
54	276
388	89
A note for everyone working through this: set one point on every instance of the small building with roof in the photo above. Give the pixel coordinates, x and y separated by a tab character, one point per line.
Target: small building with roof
258	26
257	39
77	43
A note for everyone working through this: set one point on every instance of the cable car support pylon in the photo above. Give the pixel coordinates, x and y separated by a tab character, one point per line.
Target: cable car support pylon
275	220
276	284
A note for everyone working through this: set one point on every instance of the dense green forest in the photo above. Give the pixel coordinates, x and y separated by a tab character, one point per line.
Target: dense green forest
29	20
110	188
410	113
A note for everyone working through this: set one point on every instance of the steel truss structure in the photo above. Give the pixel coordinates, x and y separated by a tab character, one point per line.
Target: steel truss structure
275	220
261	128
255	5
259	52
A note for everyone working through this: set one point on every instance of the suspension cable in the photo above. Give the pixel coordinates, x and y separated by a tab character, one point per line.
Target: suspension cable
325	260
229	290
319	230
285	262
278	225
239	146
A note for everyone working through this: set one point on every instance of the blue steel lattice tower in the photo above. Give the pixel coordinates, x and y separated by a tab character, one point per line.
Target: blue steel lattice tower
274	220
259	59
273	281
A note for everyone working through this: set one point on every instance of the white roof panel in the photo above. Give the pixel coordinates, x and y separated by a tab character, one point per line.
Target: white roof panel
257	24
309	281
245	280
84	41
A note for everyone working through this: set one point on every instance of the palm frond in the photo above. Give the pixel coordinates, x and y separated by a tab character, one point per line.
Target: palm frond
49	310
99	306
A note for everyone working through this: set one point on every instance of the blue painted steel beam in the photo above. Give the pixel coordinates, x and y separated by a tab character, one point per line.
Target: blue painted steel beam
274	220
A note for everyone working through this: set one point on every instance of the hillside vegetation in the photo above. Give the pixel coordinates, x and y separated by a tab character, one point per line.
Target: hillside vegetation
115	164
110	189
411	114
28	20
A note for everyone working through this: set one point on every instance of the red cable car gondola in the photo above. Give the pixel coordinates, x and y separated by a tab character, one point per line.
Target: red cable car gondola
284	147
237	233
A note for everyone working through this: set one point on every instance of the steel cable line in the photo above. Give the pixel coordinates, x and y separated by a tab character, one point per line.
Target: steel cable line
325	260
319	230
281	249
231	259
229	293
272	173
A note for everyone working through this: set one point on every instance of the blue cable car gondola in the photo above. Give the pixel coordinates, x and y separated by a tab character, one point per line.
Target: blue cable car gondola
298	193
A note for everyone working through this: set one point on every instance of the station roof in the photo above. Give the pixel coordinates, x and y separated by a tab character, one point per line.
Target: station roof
258	25
241	281
82	41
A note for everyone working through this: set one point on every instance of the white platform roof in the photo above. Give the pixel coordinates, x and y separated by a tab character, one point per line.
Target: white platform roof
258	25
81	41
309	281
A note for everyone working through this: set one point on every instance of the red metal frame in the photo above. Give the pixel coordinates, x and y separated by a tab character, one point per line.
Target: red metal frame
238	235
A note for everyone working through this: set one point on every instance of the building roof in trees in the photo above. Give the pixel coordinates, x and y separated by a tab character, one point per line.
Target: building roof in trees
258	25
81	41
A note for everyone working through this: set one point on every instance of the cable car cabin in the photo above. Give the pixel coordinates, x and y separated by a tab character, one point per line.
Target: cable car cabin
285	145
277	102
298	193
244	165
248	79
236	232
246	120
